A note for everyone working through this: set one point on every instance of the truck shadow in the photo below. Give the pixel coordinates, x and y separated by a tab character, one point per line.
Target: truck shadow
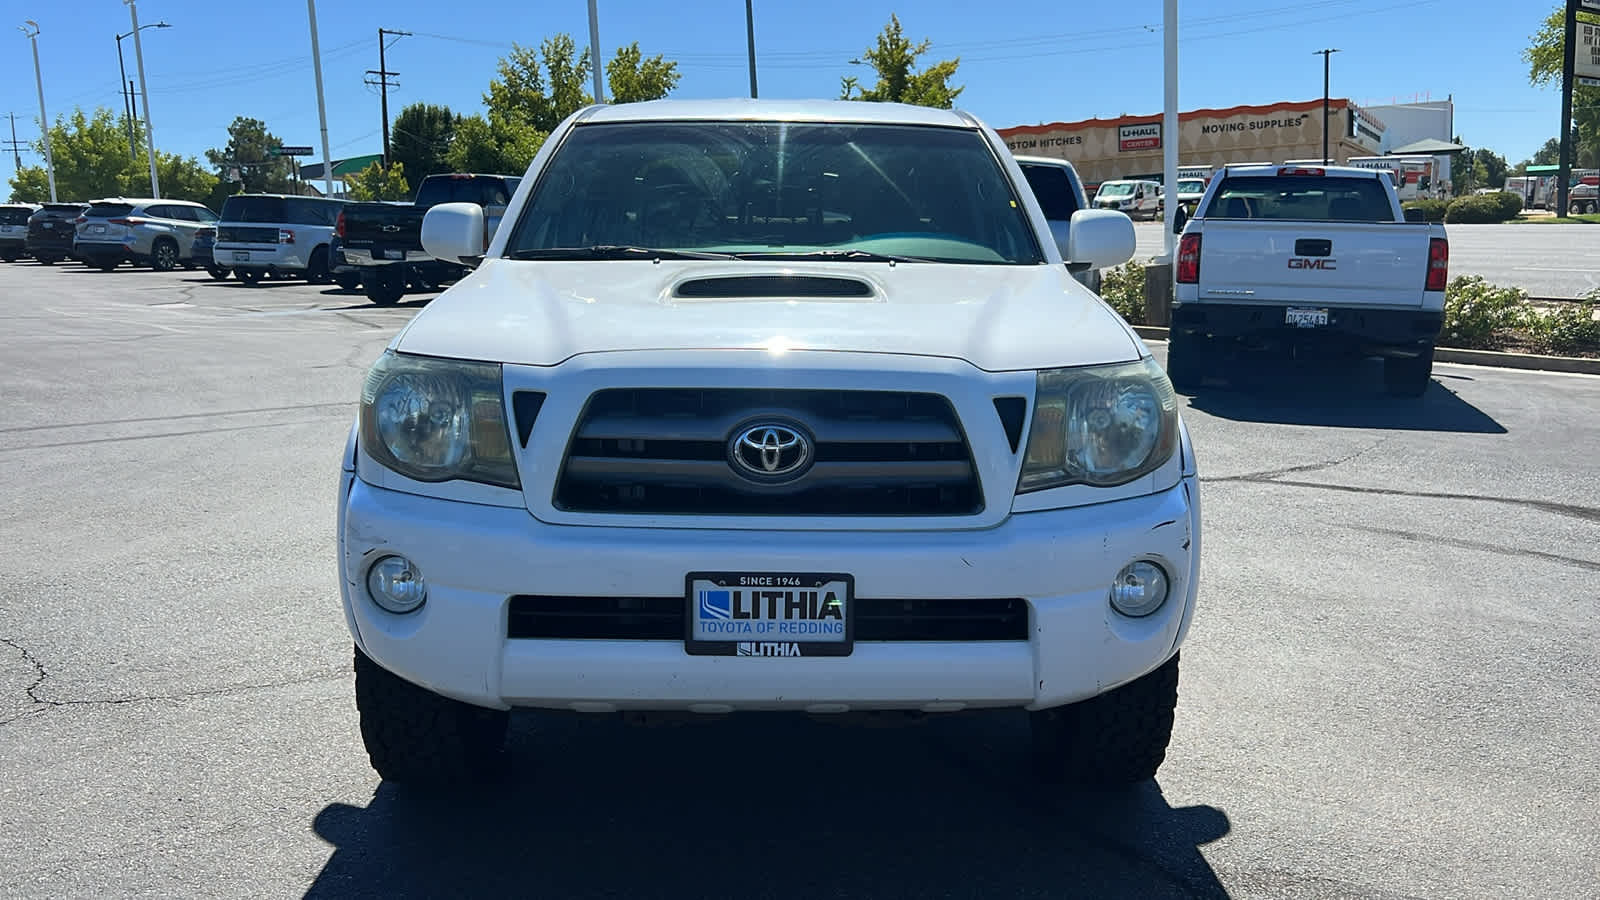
769	806
1338	395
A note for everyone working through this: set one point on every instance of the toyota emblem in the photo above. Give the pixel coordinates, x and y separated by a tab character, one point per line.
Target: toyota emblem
770	452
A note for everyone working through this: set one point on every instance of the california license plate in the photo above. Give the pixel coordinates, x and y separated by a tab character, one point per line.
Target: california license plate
241	256
770	614
1305	318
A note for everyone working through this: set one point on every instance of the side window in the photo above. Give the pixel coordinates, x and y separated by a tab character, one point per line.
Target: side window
159	211
182	213
1053	189
205	216
308	211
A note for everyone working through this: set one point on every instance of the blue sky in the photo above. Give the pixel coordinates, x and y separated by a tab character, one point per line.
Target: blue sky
1022	61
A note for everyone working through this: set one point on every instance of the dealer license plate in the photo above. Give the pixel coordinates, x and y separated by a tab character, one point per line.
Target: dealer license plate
1305	318
241	256
770	614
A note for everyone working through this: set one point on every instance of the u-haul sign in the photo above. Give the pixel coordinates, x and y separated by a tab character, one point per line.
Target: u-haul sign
1139	137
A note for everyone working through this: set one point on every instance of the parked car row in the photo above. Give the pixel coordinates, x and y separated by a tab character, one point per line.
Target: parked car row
256	236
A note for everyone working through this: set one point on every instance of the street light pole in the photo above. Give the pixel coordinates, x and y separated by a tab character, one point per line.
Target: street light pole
594	51
125	87
322	109
1326	55
750	40
144	93
44	118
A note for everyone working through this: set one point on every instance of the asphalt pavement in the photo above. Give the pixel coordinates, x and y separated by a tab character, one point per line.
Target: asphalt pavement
1389	689
1549	261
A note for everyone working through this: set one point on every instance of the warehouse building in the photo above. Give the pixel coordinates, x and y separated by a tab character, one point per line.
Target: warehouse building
1132	146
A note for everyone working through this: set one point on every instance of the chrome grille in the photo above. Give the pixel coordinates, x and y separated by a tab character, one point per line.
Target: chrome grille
666	451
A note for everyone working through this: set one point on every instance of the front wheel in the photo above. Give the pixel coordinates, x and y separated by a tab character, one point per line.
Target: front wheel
385	285
1117	738
250	277
415	736
220	273
348	281
1408	376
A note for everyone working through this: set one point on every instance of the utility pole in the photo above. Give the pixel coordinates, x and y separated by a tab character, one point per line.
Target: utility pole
1326	55
750	40
594	51
1569	58
16	145
1169	125
383	86
322	109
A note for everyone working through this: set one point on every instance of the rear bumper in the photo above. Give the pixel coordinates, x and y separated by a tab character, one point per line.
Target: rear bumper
1384	331
261	257
61	245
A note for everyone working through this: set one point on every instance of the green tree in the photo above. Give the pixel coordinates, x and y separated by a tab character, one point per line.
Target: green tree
376	183
893	58
633	79
259	172
1545	55
1479	168
91	159
534	90
422	135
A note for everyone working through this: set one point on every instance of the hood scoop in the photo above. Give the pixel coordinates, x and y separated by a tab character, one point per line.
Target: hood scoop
774	287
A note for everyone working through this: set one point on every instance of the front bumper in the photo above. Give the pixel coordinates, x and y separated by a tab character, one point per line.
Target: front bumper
1262	325
475	557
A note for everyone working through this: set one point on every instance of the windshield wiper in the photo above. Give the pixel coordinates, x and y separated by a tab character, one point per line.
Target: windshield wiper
850	255
614	251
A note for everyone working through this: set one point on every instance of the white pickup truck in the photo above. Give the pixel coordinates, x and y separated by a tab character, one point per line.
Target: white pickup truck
769	405
1307	260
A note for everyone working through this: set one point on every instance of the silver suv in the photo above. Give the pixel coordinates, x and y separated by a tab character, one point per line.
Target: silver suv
157	233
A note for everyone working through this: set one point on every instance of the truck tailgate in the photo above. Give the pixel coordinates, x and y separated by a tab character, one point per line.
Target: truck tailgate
1343	264
383	225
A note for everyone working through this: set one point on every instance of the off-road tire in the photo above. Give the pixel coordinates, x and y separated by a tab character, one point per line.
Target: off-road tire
220	273
317	270
1408	376
164	255
348	281
385	285
1188	357
414	736
1117	738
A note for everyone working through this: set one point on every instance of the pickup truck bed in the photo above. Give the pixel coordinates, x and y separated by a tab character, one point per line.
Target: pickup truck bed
1307	261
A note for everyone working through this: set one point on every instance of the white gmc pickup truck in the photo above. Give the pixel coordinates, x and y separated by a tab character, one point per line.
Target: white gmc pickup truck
1307	260
765	405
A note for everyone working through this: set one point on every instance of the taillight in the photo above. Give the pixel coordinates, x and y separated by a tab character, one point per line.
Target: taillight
80	220
1300	171
125	221
1438	264
1189	259
285	236
338	227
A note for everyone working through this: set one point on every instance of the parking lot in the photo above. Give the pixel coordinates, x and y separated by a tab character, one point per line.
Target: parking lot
1389	690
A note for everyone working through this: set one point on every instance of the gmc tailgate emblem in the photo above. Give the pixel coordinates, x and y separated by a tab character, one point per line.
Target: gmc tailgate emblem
1296	262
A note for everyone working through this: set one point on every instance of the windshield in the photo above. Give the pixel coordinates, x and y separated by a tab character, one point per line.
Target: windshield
775	188
1191	187
1303	198
484	190
1116	189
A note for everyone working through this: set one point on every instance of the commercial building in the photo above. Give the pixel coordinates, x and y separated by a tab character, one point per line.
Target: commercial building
1131	146
1419	128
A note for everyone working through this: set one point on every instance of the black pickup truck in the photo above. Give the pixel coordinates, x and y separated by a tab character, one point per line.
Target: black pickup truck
384	240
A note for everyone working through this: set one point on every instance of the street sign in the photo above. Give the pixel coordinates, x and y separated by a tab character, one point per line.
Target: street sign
1589	5
289	151
1586	62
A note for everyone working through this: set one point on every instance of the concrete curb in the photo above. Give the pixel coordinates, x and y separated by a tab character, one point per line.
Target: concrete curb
1579	365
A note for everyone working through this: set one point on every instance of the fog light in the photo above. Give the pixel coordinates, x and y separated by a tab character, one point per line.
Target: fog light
1140	589
394	583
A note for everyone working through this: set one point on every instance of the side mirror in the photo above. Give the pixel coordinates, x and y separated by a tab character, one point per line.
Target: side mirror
455	232
1180	218
1415	215
1096	239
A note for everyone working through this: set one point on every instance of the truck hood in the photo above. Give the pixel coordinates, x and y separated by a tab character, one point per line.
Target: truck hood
996	317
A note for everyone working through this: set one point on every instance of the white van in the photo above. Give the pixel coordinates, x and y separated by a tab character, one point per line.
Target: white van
1137	198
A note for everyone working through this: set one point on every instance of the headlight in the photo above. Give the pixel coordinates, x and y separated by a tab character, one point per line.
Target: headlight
437	420
1100	425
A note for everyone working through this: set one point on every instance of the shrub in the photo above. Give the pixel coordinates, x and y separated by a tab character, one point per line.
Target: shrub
1432	209
1569	328
1123	289
1475	310
1482	208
